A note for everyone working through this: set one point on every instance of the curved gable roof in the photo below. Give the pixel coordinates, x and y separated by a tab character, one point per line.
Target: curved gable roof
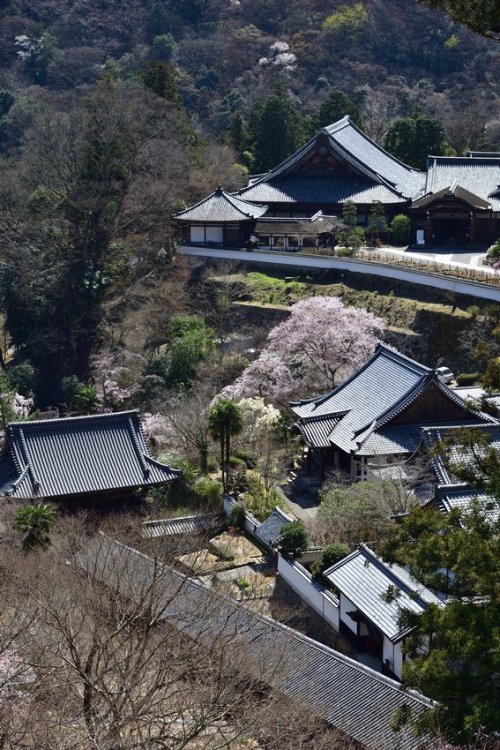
386	380
360	411
348	143
478	175
221	207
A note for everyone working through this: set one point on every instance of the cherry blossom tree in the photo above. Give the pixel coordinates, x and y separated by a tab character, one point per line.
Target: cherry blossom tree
320	343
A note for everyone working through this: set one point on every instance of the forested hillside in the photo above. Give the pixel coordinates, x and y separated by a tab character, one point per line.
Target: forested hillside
227	55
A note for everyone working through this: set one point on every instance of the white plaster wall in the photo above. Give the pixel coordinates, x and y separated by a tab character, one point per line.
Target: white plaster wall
301	581
394	653
347	606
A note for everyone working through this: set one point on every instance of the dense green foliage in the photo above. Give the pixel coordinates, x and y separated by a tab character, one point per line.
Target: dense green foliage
294	538
482	16
400	229
188	342
277	131
413	139
331	554
224	421
35	522
336	105
459	555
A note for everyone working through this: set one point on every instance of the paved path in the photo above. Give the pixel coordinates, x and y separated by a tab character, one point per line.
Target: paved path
302	505
446	256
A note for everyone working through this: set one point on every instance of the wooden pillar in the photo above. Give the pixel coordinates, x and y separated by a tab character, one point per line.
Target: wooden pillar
472	229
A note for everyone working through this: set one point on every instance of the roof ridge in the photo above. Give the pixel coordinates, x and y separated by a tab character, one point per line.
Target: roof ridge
380	350
29	463
325	417
346	120
82	417
155	462
135	441
410	590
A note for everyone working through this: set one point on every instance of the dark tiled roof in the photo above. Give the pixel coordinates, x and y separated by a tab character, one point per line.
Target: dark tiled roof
406	180
392	440
316	431
320	190
348	695
369	400
317	224
478	175
221	207
382	383
452	191
185	525
363	157
269	530
457	455
464	498
364	579
78	455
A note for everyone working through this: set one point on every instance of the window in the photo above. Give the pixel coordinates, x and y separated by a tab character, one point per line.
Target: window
197	234
214	234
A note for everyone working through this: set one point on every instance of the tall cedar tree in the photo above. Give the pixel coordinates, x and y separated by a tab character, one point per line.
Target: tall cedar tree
333	108
277	130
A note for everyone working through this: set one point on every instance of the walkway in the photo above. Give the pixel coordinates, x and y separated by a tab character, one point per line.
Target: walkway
444	256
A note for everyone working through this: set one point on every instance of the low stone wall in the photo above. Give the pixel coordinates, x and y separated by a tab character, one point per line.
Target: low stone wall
489	291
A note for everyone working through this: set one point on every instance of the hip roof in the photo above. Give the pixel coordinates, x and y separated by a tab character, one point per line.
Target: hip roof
57	458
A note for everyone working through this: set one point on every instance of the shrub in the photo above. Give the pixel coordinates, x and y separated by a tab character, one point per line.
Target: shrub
294	538
330	555
343	252
494	250
474	310
468	378
243	455
85	399
237	517
208	491
22	377
243	583
400	230
346	20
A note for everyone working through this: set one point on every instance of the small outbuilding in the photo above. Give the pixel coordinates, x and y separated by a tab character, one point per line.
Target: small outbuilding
373	599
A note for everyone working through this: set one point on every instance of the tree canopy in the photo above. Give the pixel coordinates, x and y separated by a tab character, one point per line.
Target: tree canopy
482	16
277	130
333	108
457	554
322	341
412	139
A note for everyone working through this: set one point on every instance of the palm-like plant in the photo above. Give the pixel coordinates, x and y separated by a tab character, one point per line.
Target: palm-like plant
35	522
225	420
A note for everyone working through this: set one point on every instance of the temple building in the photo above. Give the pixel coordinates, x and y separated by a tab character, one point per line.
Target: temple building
299	203
375	419
91	458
